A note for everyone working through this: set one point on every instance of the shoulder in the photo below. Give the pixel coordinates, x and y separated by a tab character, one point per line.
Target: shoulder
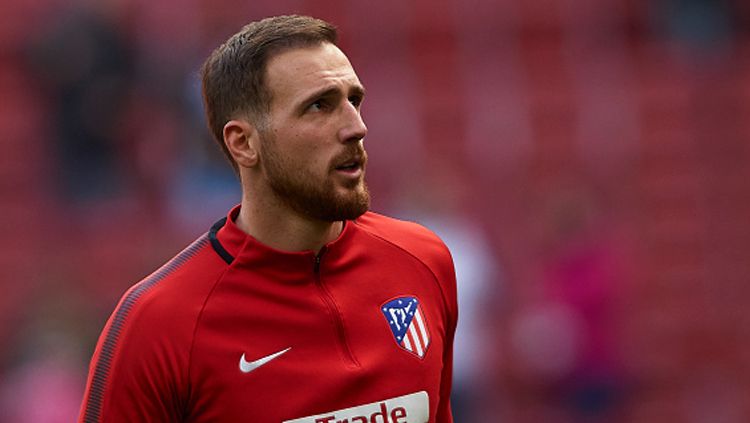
419	242
168	301
176	289
410	236
143	352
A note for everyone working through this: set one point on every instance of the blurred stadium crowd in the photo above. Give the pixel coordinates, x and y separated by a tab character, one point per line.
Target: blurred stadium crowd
585	160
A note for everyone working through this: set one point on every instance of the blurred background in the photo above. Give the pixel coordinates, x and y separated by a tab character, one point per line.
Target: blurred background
585	160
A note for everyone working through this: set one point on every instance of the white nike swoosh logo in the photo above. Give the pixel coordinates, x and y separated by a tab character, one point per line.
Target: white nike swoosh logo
249	366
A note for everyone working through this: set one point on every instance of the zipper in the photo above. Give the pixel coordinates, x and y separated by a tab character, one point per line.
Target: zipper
338	320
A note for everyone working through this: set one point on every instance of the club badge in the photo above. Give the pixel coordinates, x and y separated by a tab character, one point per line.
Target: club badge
407	322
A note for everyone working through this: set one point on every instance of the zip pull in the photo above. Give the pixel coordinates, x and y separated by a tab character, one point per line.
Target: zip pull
318	257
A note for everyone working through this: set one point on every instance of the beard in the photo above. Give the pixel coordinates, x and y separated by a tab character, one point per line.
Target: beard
309	194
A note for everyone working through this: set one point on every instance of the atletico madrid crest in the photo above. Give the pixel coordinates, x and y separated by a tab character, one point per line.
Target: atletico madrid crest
406	320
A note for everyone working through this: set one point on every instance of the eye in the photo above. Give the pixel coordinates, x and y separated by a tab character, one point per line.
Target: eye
316	105
356	100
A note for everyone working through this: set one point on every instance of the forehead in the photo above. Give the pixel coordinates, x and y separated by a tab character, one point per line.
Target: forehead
295	73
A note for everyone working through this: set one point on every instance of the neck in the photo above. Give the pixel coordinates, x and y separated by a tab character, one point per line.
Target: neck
284	229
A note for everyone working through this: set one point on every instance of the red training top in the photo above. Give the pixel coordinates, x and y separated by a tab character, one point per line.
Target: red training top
231	330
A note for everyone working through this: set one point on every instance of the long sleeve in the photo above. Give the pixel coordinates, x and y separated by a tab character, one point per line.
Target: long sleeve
139	370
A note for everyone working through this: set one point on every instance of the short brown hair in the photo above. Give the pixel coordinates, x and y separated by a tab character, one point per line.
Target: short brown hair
234	74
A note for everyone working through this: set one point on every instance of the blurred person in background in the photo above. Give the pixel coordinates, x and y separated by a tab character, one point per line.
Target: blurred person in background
87	67
563	346
300	305
437	196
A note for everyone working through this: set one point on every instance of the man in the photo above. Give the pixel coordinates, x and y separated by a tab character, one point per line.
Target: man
300	306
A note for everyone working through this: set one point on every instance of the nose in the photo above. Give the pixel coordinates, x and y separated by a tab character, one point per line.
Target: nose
353	128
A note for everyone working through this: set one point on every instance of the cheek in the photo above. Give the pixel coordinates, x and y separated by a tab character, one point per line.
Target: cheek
310	153
305	148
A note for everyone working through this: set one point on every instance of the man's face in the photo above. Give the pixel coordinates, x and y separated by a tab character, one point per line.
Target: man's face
312	153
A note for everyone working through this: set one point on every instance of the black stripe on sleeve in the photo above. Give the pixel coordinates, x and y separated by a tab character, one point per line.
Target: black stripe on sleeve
100	375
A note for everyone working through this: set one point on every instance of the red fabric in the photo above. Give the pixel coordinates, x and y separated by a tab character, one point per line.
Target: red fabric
177	350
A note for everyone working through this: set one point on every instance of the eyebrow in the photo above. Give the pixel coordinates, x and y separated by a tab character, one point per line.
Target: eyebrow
357	90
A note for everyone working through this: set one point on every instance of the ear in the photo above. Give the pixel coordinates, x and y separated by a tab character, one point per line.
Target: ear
242	140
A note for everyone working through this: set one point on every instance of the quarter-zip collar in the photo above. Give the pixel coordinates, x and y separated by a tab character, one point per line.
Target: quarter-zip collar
244	249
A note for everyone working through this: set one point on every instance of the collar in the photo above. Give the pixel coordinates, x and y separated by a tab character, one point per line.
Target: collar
234	245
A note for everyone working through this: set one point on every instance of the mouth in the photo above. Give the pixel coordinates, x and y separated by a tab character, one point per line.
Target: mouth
349	166
352	167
